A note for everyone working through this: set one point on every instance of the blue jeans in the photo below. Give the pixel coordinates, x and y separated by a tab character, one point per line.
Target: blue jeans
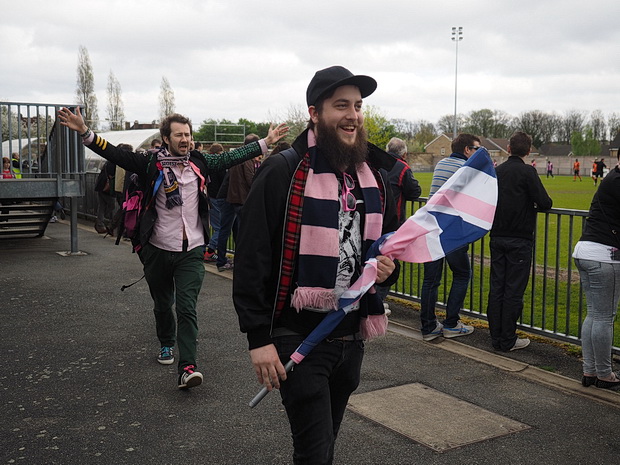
316	392
214	220
458	261
601	285
227	218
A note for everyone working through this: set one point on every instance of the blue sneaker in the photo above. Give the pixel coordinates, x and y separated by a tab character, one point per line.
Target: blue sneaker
459	330
438	331
165	357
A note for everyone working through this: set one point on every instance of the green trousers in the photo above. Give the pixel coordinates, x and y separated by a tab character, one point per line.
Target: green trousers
175	277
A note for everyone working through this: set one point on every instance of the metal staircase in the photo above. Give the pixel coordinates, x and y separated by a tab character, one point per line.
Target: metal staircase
52	167
26	217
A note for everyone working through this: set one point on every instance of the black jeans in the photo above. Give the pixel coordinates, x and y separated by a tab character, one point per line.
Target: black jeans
316	392
511	259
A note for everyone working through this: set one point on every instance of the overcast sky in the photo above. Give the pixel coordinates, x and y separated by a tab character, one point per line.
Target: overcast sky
254	59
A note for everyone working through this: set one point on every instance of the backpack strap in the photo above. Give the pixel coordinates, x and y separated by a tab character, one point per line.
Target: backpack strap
292	159
199	174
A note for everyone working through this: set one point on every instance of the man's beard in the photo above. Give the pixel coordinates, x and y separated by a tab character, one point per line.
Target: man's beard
341	156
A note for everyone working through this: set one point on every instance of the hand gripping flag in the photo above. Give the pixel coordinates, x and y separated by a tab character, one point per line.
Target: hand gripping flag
459	213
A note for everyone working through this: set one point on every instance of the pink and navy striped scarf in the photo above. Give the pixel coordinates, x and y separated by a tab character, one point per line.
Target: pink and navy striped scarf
312	228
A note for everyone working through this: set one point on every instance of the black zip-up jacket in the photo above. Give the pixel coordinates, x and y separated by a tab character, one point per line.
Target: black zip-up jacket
404	186
520	196
603	222
107	172
258	255
145	166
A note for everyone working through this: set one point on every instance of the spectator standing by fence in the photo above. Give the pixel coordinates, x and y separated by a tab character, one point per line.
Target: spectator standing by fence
405	187
597	256
520	196
463	147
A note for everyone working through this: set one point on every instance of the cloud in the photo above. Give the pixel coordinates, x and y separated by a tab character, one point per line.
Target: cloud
232	59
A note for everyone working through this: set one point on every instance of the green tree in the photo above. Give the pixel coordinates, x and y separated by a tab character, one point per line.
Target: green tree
251	127
585	145
222	131
379	128
9	119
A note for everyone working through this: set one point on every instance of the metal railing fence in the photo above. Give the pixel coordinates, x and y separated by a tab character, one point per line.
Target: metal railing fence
554	304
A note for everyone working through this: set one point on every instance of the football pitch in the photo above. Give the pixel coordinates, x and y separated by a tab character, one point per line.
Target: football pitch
565	193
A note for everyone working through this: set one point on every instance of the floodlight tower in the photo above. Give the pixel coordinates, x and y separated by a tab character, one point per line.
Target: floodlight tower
457	36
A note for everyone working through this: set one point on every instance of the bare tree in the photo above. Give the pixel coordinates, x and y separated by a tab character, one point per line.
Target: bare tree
550	127
406	129
598	125
446	124
532	123
573	121
86	88
116	108
166	99
296	119
503	124
613	125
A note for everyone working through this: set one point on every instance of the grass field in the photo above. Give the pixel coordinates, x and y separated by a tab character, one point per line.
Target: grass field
564	192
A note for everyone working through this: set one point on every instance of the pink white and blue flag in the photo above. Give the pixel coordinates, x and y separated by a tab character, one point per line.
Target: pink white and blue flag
459	213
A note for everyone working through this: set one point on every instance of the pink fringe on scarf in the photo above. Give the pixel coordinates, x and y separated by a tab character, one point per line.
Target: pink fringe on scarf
315	297
373	326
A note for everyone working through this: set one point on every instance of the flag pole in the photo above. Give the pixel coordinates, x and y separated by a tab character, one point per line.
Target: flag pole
263	392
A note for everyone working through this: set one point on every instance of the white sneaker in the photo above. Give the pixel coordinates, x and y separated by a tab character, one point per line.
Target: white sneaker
189	378
520	343
459	330
386	308
438	331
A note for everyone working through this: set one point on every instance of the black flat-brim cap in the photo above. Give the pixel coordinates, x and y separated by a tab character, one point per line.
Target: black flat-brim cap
330	78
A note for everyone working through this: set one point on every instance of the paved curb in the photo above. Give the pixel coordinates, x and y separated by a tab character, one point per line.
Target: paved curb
516	367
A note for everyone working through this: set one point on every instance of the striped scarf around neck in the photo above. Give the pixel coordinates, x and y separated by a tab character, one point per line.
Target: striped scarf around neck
312	229
165	162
